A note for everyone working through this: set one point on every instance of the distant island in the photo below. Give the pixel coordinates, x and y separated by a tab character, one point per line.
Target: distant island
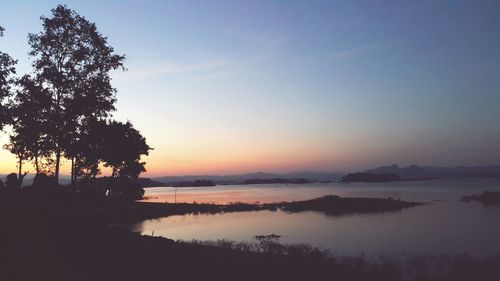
414	172
380	174
277	180
336	205
370	177
316	176
147	182
487	198
195	183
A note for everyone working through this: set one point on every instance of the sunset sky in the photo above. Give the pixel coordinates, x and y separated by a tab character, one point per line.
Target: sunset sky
224	87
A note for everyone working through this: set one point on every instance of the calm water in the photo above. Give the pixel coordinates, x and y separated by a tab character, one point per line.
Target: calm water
446	225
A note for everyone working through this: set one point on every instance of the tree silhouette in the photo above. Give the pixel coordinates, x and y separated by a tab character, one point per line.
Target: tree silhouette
63	108
122	149
73	60
88	150
17	146
29	137
7	71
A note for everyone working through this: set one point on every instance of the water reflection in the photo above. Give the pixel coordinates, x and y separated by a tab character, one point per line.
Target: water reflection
447	226
426	191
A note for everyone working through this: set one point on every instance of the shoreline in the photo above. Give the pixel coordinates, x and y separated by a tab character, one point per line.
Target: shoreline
329	205
62	236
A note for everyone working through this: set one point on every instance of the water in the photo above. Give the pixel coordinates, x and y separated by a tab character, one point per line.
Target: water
444	226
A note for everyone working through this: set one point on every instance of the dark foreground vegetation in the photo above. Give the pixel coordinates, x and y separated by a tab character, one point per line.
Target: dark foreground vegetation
51	235
487	198
417	267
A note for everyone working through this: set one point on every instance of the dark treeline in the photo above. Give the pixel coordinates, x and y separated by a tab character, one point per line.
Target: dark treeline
63	108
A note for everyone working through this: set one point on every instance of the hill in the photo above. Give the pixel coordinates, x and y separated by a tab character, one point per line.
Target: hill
370	177
241	178
434	172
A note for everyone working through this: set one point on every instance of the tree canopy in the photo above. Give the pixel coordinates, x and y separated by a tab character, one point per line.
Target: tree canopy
63	109
7	70
30	134
122	149
73	60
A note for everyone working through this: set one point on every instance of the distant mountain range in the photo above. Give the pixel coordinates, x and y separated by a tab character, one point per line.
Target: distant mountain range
412	172
238	179
190	180
433	172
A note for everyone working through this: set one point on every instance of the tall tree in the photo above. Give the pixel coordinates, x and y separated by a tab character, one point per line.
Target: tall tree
73	60
7	71
29	133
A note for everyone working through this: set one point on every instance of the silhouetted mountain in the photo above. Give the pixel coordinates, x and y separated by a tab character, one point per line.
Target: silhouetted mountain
432	172
370	177
147	182
277	180
239	179
192	183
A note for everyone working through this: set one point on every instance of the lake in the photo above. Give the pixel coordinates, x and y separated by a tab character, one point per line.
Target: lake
444	226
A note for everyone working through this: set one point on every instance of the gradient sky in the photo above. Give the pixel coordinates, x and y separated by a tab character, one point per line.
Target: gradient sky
224	87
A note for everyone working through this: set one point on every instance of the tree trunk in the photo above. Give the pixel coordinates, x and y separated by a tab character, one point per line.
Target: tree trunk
20	166
58	130
37	166
58	160
72	170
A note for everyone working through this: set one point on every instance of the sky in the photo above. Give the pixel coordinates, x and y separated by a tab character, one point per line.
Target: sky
225	87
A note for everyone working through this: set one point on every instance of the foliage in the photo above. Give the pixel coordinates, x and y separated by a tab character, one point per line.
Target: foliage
122	149
7	70
63	108
73	60
125	189
29	134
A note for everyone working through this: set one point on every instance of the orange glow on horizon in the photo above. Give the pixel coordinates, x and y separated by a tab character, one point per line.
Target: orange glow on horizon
219	161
